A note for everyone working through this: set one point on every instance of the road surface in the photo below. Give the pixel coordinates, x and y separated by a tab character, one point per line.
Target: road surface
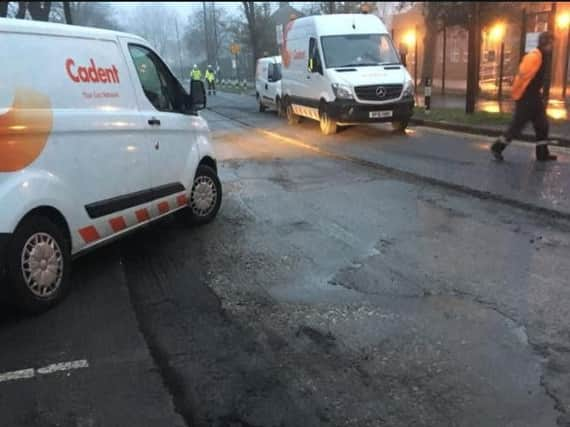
363	279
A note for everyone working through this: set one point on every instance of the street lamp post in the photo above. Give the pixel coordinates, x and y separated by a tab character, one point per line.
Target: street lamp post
563	21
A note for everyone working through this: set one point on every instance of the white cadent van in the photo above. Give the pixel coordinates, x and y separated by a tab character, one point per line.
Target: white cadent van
97	138
268	83
343	69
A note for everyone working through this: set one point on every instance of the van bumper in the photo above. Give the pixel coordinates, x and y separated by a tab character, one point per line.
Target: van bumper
350	111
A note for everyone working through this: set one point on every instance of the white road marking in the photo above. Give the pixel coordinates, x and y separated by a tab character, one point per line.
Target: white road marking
46	370
65	366
17	375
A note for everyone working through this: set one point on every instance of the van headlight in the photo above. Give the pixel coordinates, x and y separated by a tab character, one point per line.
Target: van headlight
408	89
342	91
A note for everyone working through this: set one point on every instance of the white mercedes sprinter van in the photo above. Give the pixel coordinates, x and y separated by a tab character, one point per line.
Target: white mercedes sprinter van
97	138
343	69
268	83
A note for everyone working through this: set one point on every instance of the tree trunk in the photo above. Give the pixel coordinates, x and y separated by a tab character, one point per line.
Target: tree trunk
249	8
3	8
67	11
474	53
430	42
39	10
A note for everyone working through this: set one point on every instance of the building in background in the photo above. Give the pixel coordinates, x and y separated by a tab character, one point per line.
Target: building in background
408	28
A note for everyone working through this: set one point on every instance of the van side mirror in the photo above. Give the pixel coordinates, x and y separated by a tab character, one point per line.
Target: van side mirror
197	97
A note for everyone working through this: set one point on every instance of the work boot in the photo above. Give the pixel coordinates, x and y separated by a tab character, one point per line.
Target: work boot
498	147
543	154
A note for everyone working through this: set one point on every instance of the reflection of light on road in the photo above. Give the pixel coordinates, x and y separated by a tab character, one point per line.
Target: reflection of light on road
481	146
557	110
490	108
557	113
18	127
131	148
410	132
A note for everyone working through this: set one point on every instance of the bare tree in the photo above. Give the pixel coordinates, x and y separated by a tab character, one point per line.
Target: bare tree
260	29
250	15
219	23
154	22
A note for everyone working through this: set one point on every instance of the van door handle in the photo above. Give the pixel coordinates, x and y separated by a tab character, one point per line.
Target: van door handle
308	77
153	121
157	146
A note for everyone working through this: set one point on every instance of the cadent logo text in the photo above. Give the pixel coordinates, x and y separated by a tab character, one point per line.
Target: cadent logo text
91	73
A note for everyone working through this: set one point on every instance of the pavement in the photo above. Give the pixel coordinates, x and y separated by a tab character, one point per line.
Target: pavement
352	280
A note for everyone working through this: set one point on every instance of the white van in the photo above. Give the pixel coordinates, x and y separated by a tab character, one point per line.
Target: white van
343	69
268	83
97	138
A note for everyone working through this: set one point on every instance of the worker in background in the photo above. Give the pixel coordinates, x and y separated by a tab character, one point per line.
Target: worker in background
211	80
196	74
530	105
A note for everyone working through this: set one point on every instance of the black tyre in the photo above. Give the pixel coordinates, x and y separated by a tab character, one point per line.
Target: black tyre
205	198
328	125
292	118
38	265
262	107
279	107
400	126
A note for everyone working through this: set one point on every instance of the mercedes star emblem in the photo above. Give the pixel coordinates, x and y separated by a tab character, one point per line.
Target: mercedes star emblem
380	92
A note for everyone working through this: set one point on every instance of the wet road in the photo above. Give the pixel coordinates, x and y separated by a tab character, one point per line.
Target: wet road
331	290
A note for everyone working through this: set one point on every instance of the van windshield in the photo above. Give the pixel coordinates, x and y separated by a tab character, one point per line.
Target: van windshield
354	50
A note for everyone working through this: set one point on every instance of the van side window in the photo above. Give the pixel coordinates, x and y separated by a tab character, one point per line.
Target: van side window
276	72
314	61
157	83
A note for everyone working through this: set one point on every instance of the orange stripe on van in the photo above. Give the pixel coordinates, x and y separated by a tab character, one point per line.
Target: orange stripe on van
118	224
142	215
89	234
182	200
163	207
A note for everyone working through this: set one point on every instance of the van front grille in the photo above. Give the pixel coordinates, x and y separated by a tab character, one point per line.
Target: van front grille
378	92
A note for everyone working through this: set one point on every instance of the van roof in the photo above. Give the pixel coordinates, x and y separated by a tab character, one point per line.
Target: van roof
342	23
51	28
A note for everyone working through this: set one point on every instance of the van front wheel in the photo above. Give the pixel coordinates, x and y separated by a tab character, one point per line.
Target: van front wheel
328	125
400	126
205	197
38	265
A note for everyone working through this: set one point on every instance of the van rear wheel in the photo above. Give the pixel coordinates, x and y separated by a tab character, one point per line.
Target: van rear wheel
38	265
292	118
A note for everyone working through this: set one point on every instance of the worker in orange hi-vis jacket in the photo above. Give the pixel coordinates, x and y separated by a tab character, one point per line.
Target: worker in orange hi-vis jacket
530	105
